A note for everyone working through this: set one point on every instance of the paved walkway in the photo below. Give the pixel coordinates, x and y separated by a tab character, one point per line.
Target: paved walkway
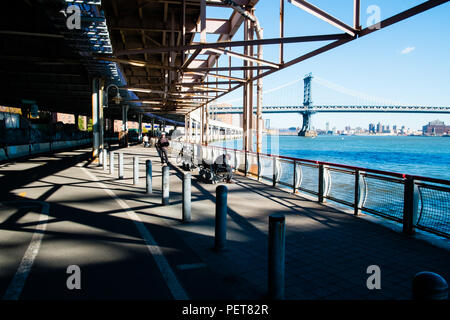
129	246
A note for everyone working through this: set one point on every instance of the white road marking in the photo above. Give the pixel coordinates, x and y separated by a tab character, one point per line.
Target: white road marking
18	282
168	274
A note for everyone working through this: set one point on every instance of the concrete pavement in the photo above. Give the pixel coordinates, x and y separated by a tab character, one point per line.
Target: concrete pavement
128	246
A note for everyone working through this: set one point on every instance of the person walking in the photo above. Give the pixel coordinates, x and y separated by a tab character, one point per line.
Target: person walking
145	139
162	147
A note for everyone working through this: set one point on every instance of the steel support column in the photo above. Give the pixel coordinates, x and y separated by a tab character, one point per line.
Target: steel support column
97	118
207	138
100	110
250	88
245	112
95	121
140	116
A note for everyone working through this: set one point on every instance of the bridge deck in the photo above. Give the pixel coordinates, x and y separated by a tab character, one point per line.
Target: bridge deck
327	251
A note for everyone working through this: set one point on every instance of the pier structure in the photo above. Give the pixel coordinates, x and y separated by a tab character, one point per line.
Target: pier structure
72	229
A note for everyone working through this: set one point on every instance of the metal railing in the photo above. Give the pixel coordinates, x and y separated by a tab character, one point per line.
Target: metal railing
416	202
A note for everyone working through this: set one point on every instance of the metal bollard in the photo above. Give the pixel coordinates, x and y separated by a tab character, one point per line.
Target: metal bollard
277	241
100	158
120	166
135	170
165	185
105	159
148	177
111	162
186	197
221	218
429	286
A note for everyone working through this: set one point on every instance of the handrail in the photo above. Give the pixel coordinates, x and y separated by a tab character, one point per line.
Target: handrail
396	196
381	172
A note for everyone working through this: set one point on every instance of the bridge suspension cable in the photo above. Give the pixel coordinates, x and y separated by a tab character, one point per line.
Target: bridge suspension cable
266	92
363	98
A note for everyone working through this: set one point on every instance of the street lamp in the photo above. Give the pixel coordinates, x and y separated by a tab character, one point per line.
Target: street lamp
117	99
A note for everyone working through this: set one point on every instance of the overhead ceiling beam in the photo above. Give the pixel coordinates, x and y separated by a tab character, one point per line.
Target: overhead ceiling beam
237	68
31	34
216	76
244	57
137	63
214	26
226	44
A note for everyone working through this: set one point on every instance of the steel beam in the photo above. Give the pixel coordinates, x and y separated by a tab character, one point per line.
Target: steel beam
308	7
225	44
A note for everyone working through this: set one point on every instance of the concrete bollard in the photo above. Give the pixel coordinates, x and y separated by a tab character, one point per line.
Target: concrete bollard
277	241
111	162
221	218
186	197
429	286
148	177
135	170
165	185
105	159
120	166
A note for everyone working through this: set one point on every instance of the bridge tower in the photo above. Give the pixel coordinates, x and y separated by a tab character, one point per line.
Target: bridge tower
307	99
307	102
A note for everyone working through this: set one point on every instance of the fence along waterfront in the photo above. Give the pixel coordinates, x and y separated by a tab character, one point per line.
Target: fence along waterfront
415	201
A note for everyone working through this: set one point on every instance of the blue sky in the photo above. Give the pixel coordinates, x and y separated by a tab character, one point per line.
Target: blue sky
406	63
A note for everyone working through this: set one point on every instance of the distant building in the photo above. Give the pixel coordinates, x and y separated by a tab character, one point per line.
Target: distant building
379	128
435	128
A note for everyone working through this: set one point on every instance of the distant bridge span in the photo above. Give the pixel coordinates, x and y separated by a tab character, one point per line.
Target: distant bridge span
308	108
316	109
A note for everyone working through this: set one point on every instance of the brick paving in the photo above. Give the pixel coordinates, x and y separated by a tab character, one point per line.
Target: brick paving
327	250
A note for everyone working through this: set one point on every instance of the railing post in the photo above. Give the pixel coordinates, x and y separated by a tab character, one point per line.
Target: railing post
186	197
246	163
274	172
236	167
135	170
410	206
221	218
111	162
121	166
294	182
165	185
321	183
259	166
357	193
277	253
429	286
148	177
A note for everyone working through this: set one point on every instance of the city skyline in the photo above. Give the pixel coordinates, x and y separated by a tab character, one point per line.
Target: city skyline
404	64
339	121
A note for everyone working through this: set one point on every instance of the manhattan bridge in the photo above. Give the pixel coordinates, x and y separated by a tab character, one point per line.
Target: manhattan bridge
307	109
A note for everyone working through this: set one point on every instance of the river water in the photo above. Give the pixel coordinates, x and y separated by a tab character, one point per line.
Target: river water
414	155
